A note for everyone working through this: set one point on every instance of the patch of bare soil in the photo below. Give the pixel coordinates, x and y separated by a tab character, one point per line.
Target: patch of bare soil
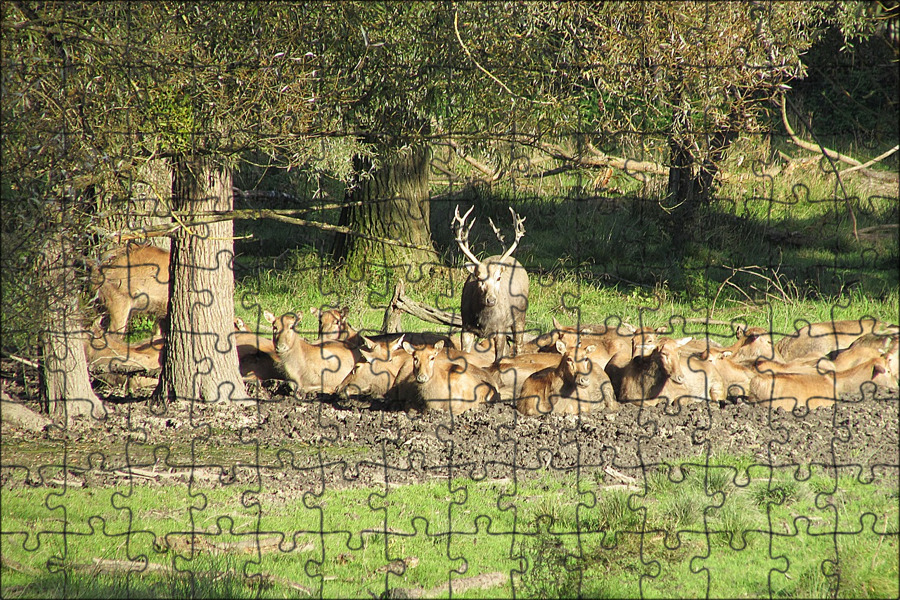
288	446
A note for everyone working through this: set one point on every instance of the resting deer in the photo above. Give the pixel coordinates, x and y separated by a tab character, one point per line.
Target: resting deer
574	386
311	367
437	382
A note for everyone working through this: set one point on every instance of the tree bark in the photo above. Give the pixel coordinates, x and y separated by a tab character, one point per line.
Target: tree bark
199	363
66	383
149	203
389	202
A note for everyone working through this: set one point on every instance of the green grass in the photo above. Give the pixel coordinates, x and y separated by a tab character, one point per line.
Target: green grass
683	531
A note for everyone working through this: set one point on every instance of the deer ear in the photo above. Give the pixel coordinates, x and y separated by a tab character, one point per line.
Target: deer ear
269	317
590	349
556	324
408	347
560	346
878	369
398	344
366	344
345	311
315	311
439	346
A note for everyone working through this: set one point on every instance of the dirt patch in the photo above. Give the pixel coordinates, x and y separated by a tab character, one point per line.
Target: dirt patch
286	445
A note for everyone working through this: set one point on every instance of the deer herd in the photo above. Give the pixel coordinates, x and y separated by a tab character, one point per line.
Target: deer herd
570	370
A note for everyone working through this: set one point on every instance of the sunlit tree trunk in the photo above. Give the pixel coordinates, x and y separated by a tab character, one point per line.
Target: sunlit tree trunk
66	382
199	362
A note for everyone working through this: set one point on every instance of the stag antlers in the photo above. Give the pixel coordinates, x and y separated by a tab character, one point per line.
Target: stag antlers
519	223
462	234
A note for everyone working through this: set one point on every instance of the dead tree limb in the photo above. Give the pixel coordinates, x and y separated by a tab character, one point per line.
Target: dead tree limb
401	303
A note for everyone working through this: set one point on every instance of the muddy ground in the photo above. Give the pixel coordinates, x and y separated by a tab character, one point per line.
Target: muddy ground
317	444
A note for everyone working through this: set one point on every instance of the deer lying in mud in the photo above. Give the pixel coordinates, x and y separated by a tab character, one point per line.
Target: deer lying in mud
377	373
495	296
820	339
510	373
666	372
385	363
437	382
333	325
311	367
813	390
867	347
257	358
134	280
574	386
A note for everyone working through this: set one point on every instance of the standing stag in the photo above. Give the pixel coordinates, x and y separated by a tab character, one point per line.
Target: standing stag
495	296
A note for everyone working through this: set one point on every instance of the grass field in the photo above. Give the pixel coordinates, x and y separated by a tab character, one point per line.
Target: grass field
719	531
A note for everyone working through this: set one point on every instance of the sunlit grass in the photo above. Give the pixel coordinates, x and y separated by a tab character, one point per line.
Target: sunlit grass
550	535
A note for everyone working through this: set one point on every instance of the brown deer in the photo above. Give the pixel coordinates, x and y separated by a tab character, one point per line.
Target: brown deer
134	280
311	367
867	347
495	296
106	352
813	390
819	339
752	343
574	386
511	373
436	382
333	325
667	372
383	361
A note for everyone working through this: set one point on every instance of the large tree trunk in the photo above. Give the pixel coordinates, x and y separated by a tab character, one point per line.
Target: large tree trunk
66	382
199	361
390	203
149	202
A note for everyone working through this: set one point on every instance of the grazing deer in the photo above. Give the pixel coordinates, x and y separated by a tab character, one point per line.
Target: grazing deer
495	296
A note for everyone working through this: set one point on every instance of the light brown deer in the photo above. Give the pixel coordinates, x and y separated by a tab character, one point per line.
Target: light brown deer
134	280
812	390
333	325
867	347
495	296
667	373
311	367
574	386
819	339
439	383
511	373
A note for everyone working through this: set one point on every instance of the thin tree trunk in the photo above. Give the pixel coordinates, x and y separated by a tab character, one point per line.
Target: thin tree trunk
199	362
66	382
394	205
